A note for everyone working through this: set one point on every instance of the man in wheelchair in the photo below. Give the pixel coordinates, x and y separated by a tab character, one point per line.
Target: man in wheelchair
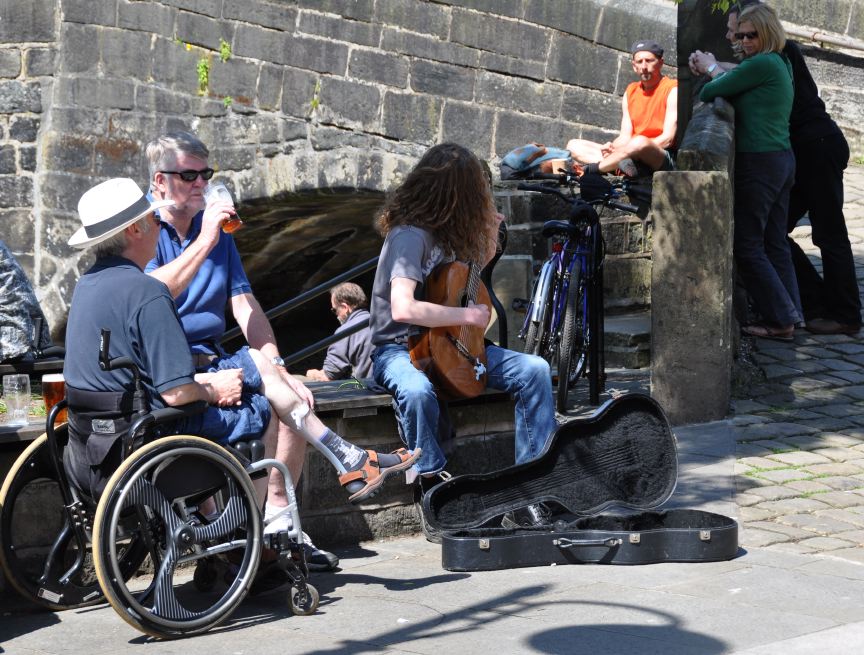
115	294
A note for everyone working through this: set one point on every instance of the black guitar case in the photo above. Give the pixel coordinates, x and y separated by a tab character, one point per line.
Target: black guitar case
602	475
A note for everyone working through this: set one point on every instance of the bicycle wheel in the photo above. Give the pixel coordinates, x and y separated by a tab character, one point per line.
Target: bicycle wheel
572	347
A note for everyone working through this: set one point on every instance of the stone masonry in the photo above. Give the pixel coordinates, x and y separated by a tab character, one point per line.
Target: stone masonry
290	95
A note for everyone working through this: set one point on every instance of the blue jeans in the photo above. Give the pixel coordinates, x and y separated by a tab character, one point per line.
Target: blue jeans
527	377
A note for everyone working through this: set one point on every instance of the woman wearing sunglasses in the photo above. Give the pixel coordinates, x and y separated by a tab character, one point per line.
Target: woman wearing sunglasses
761	91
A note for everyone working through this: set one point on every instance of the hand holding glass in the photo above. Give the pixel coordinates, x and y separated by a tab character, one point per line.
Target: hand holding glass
218	192
16	394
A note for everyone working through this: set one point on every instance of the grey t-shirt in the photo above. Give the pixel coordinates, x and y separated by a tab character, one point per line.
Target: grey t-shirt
409	252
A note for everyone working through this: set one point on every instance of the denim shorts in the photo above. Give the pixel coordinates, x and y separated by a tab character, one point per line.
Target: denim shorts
228	425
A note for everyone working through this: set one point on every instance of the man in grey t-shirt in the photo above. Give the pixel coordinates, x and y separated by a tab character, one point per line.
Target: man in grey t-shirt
350	356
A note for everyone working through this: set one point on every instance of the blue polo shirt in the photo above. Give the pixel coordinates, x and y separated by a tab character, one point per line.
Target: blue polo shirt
203	304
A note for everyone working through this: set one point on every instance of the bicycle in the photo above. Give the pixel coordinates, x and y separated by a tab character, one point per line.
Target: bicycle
564	317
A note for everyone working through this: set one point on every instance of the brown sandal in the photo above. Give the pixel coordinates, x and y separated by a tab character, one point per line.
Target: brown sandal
374	476
786	334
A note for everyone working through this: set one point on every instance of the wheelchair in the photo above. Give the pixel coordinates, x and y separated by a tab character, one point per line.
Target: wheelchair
145	544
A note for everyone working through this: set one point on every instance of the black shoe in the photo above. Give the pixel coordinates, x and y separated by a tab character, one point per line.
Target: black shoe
533	516
317	559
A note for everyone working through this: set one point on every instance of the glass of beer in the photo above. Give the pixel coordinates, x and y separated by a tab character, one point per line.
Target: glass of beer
53	391
217	191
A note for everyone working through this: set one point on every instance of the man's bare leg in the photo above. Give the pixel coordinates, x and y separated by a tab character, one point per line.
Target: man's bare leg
585	152
639	148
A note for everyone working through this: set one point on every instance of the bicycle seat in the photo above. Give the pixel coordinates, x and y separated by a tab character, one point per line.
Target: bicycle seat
551	228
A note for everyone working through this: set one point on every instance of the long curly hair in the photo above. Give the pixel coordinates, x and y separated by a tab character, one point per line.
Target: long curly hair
447	193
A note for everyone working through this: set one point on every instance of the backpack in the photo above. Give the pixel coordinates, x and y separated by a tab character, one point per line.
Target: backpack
522	162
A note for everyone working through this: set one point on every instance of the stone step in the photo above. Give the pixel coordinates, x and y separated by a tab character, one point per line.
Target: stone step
628	340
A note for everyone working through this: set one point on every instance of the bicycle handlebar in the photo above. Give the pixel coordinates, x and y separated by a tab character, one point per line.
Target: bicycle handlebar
608	200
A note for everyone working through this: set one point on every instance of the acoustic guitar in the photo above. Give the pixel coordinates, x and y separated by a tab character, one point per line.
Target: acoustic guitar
453	357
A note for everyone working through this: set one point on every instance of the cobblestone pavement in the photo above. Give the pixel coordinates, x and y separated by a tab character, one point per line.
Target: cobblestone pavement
799	470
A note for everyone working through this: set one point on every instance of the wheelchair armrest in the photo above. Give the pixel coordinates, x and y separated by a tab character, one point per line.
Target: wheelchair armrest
167	414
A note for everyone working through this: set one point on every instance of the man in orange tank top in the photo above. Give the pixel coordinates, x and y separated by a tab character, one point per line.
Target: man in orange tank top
649	119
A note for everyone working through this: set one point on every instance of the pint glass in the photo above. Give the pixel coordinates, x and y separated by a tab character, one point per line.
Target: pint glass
53	391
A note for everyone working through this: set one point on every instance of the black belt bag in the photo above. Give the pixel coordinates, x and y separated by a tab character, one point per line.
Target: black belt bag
98	423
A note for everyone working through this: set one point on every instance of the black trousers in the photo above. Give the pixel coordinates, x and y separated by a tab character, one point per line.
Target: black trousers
819	190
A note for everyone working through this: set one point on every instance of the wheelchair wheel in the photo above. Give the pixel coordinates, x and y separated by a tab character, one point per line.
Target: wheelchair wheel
39	554
161	486
303	601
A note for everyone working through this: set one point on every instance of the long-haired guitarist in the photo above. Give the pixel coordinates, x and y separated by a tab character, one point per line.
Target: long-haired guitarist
444	211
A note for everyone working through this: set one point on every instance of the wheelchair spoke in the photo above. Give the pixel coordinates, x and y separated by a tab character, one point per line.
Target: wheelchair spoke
232	517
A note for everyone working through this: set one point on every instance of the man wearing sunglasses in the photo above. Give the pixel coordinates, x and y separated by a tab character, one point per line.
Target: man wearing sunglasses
831	302
202	269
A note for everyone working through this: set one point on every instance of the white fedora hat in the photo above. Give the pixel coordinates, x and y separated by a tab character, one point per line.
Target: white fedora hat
108	208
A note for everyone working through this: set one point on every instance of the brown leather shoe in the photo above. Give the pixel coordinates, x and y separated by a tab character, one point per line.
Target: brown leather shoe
829	326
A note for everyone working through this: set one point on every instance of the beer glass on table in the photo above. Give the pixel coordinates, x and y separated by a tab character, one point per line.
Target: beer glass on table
53	391
216	191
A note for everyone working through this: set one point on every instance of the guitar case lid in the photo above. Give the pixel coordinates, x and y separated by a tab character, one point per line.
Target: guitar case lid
622	456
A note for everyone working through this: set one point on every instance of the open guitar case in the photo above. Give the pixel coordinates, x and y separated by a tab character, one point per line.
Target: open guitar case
603	476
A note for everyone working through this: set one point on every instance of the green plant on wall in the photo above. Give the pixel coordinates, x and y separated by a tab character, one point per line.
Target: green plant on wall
224	50
203	68
316	97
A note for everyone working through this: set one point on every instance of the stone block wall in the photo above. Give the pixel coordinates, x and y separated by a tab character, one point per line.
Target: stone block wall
314	93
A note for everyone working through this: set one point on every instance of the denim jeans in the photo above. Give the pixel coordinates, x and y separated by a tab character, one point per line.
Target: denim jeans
762	184
526	377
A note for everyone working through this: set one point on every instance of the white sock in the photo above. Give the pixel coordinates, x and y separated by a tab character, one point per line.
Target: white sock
281	523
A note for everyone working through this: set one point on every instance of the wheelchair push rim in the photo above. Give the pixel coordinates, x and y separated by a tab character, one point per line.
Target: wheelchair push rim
157	484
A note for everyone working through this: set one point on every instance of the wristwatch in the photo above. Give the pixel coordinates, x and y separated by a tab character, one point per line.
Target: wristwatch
711	68
278	361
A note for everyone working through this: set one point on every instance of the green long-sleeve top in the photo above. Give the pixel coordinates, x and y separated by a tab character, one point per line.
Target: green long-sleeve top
761	91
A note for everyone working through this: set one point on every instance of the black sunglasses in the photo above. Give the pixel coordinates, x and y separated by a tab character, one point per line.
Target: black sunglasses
740	36
190	175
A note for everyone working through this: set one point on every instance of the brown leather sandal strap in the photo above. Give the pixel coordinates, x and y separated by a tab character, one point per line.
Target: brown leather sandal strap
350	476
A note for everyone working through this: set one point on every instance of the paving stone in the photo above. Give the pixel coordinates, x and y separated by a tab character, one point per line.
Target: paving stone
841	365
851	554
848	348
746	483
849	439
747	419
843	409
774	445
855	536
811	365
745	499
818	352
794	505
770	431
760	463
842	499
792	547
788	530
748	405
830	423
808	486
843	483
781	476
773	371
831	468
752	538
839	454
814	523
849	516
808	383
853	377
774	492
755	513
800	458
856	392
805	442
745	450
825	543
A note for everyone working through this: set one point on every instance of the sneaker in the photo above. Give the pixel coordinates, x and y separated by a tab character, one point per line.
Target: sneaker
317	559
537	515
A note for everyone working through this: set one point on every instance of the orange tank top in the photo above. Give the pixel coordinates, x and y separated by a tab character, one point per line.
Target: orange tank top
648	108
